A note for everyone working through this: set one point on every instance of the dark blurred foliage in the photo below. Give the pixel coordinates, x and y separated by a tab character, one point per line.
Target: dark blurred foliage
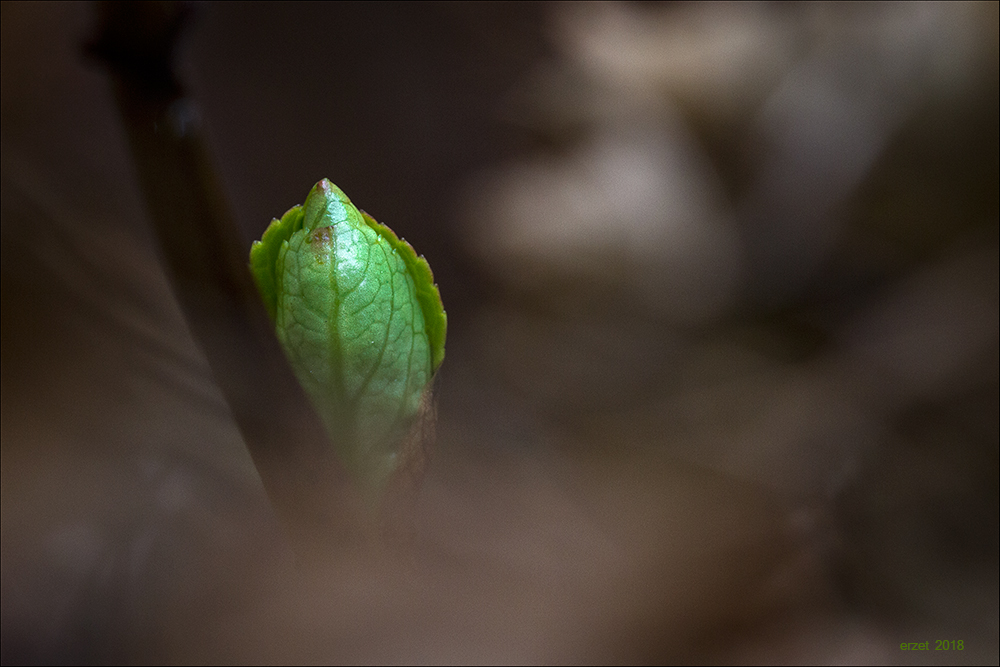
722	369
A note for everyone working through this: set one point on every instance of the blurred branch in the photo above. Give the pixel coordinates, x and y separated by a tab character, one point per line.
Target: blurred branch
207	263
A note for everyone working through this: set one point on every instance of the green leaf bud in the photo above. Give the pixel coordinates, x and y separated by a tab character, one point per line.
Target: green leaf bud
361	322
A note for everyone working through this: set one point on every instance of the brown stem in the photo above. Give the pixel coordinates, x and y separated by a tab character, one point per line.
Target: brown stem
207	263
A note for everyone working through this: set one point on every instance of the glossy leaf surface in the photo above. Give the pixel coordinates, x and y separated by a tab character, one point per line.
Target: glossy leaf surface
361	321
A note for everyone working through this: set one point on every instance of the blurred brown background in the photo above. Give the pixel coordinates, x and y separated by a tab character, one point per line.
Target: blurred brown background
722	368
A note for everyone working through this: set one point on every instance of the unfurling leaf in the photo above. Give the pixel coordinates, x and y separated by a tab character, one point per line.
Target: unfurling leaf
361	321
